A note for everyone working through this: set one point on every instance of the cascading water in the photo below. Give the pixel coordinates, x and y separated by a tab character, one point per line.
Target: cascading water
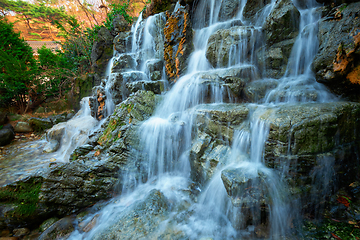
262	203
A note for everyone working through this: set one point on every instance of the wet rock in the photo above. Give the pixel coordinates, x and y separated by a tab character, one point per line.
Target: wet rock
51	146
273	60
282	23
252	8
86	227
102	51
228	9
213	155
156	87
255	91
81	150
223	48
178	43
40	124
233	79
336	63
61	229
140	221
312	128
90	176
215	128
241	184
48	223
123	62
122	42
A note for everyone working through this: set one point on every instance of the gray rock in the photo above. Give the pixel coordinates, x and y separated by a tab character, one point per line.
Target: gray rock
52	146
282	23
222	49
22	127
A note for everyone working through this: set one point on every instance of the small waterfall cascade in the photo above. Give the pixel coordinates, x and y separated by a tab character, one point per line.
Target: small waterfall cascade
258	204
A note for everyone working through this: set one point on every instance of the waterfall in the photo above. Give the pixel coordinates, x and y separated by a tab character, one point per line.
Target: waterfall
166	137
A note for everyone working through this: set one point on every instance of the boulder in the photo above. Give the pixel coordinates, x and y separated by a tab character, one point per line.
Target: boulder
336	63
23	127
178	42
6	135
282	23
40	124
226	46
140	221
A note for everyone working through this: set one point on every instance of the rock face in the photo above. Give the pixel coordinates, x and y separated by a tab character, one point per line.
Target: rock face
178	42
336	64
222	49
102	51
98	175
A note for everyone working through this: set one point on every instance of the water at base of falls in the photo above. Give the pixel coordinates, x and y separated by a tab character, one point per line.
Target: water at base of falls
262	208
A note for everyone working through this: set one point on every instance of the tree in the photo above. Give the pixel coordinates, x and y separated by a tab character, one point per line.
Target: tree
18	67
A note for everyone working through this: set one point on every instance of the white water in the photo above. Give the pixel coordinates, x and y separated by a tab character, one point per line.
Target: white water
166	138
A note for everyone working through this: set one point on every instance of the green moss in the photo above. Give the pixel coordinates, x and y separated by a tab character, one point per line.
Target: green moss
24	195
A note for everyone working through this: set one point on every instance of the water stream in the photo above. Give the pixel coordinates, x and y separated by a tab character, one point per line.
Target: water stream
264	205
166	136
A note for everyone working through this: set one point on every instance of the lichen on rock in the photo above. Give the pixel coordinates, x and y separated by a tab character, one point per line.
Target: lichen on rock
178	42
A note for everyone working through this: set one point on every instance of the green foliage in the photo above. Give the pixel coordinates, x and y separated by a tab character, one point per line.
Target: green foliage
117	9
24	195
17	66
